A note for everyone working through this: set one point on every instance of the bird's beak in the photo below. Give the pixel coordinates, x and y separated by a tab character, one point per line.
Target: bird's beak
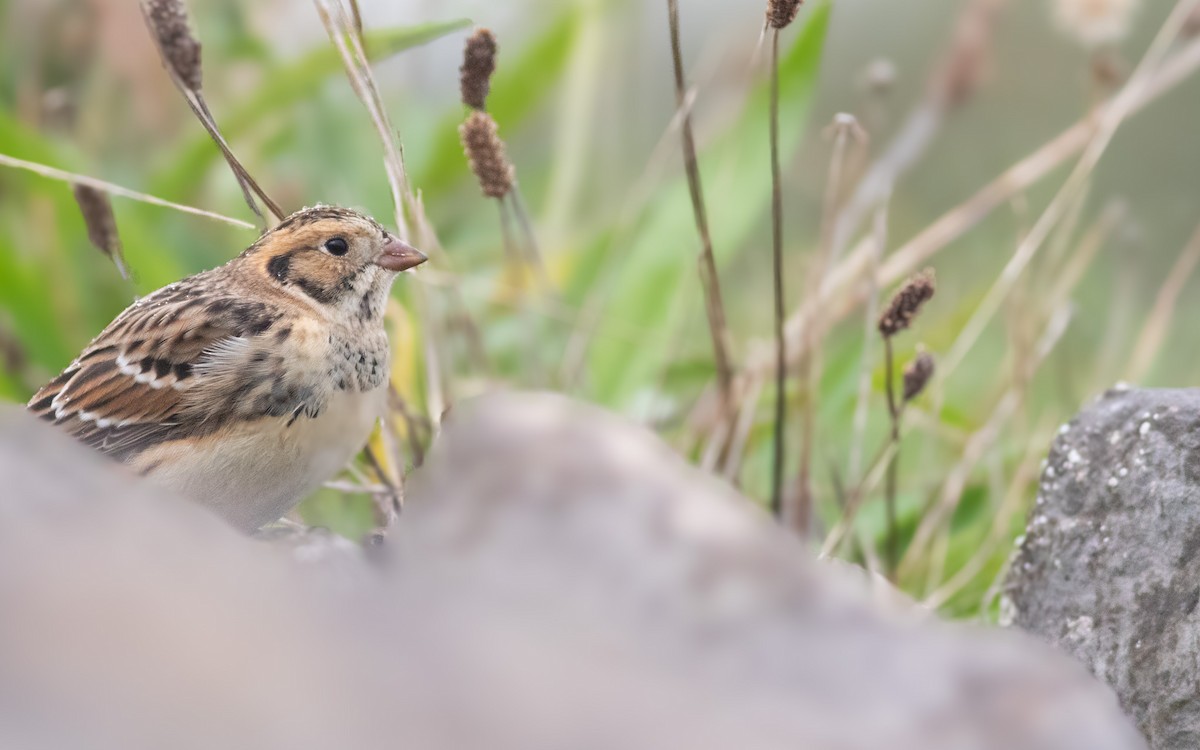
399	256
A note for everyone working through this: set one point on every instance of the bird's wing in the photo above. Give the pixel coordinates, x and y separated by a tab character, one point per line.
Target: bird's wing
137	384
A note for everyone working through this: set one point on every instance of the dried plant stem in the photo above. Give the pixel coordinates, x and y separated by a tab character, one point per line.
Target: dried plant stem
949	84
387	505
407	207
533	256
741	431
854	499
1149	341
978	444
179	49
351	487
250	186
839	295
1001	521
112	189
511	253
844	127
1072	270
1109	121
870	320
894	412
344	36
801	513
413	425
592	309
709	281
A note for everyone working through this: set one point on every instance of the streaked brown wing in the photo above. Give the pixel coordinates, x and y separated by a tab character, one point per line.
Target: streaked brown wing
133	385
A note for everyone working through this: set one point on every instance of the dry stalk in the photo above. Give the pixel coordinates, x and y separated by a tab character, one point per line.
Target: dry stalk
709	280
179	49
387	504
953	81
1154	332
1025	365
844	130
1094	238
780	14
348	42
869	321
978	444
800	515
741	431
1109	121
591	311
893	465
854	500
839	294
113	189
407	206
998	532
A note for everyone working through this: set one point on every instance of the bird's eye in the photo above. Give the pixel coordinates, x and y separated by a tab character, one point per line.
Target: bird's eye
337	246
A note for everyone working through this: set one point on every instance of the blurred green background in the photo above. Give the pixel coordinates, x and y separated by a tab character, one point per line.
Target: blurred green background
584	98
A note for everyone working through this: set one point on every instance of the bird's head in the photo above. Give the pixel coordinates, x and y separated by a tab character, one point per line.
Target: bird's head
334	256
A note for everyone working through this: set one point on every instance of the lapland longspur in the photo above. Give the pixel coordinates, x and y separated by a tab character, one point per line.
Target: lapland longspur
247	386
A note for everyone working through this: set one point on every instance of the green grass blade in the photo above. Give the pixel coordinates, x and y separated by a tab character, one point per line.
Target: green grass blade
661	258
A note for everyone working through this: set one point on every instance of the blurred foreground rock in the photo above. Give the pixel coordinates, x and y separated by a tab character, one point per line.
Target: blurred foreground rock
1109	568
559	579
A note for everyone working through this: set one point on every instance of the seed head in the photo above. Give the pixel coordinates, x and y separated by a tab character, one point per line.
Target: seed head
485	153
917	375
179	47
907	303
780	13
479	62
101	224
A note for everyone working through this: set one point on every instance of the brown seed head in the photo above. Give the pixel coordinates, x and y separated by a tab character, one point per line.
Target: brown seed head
917	375
485	153
780	13
180	49
101	224
907	303
479	62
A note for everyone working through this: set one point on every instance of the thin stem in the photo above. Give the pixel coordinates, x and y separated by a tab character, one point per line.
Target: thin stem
838	296
844	528
869	322
510	245
1154	331
811	364
387	506
707	263
894	460
250	186
533	256
801	518
112	189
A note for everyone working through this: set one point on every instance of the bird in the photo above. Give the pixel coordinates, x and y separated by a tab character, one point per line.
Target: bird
247	386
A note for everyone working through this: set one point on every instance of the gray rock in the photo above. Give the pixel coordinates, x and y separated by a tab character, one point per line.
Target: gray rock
1109	567
568	515
560	579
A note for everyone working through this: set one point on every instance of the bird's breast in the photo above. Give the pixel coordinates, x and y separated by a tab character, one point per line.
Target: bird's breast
255	472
